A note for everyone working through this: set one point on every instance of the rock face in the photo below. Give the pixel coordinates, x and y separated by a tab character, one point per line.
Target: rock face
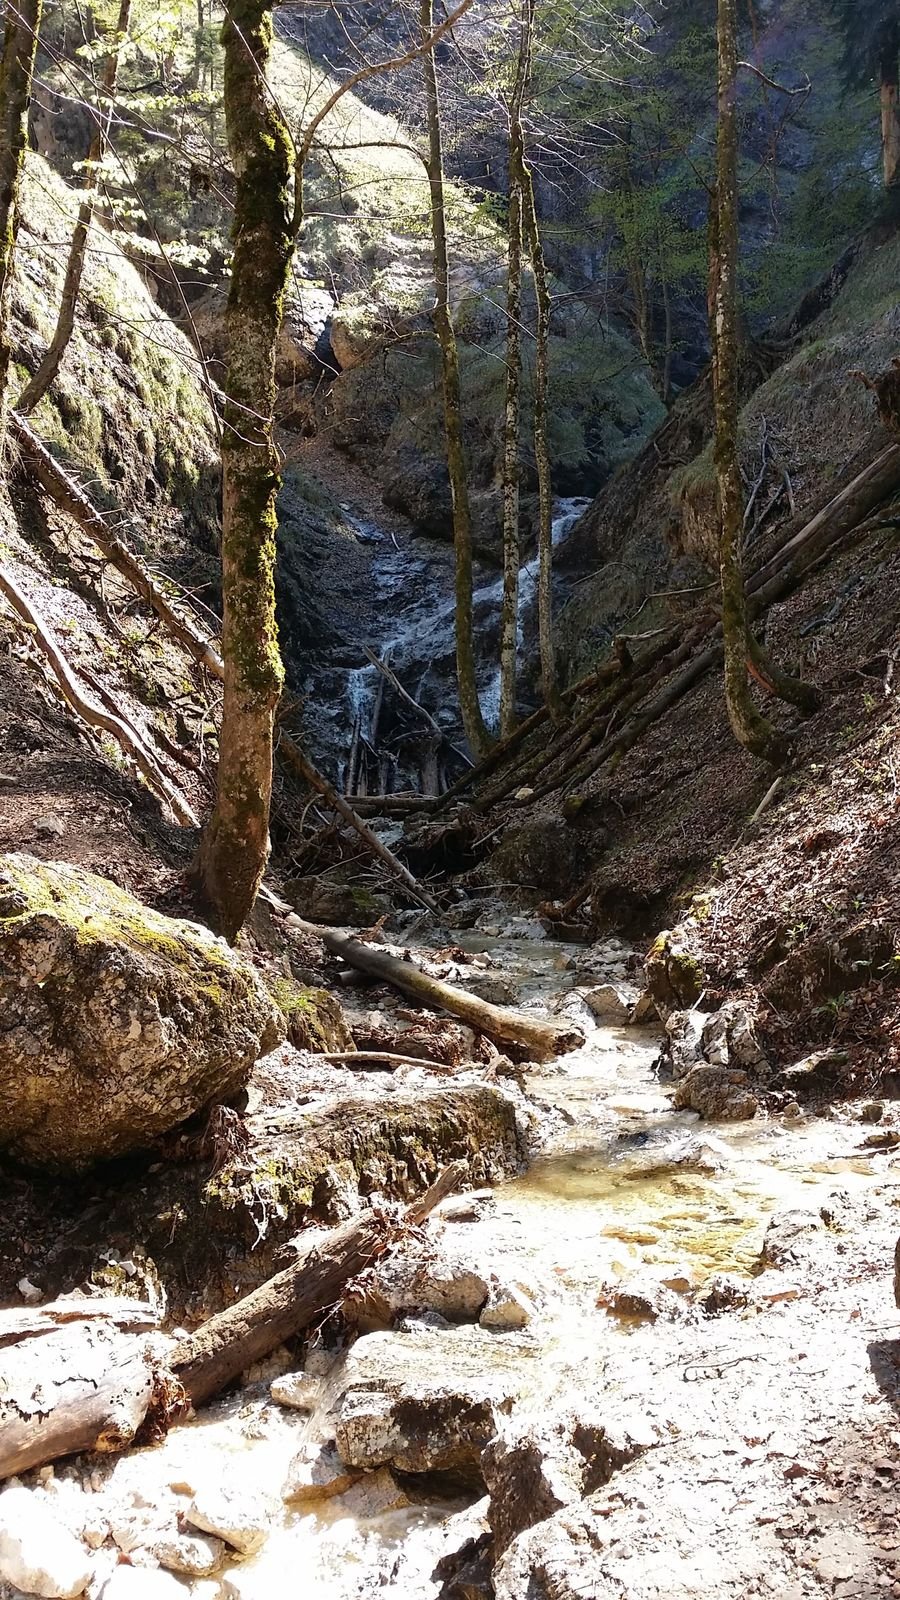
428	1400
117	1022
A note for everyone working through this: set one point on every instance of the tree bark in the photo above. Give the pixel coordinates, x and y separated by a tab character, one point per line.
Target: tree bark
509	614
16	71
34	391
889	96
751	729
549	680
235	844
470	706
544	1038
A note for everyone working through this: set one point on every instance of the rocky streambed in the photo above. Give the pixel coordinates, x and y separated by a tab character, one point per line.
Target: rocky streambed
660	1361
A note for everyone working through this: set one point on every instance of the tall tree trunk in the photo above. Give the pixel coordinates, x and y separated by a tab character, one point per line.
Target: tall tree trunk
235	844
549	680
34	391
751	729
509	616
470	706
16	70
889	94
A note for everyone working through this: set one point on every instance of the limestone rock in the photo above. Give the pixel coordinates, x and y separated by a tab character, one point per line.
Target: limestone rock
682	1050
612	1002
242	1520
316	1473
196	1556
445	1280
38	1554
315	1020
428	1400
296	1390
675	978
717	1092
534	1468
508	1307
142	1583
118	1023
729	1040
788	1237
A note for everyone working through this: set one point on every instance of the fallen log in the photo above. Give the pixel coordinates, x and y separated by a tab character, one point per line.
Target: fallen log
361	1060
85	1387
544	1039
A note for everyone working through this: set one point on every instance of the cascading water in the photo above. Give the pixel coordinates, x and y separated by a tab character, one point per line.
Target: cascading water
411	629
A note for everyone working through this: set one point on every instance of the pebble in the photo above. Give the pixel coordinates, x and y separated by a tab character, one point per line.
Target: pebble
38	1554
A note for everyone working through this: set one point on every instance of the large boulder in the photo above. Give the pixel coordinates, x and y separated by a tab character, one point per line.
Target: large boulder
429	1399
118	1022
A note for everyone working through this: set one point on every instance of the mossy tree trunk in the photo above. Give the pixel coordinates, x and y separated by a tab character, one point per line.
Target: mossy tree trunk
34	391
509	616
235	844
470	706
541	408
16	70
889	95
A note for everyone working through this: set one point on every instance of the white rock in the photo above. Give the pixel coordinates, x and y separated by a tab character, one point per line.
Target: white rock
29	1291
38	1554
197	1555
507	1307
142	1583
610	1002
297	1390
317	1473
242	1519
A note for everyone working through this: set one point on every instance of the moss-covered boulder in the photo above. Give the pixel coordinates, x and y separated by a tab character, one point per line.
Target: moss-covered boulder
675	978
315	1020
118	1022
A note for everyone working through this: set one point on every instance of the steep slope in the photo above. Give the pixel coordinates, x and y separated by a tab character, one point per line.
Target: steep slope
797	907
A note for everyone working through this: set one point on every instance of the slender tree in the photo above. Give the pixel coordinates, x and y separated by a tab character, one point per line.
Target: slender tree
751	729
35	390
743	653
16	70
871	30
470	706
541	410
509	616
235	843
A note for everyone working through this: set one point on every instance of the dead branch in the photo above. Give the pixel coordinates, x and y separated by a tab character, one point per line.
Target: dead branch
92	713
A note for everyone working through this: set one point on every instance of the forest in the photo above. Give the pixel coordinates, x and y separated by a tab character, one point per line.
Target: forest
449	799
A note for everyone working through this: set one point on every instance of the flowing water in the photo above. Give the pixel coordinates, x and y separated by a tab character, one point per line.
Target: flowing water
410	627
626	1186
